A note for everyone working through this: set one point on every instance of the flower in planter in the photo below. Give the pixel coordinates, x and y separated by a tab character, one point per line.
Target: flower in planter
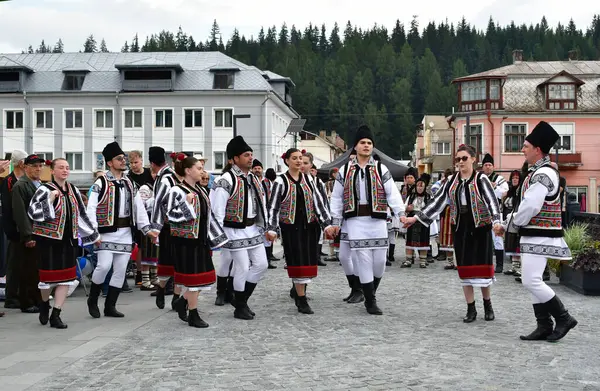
578	239
587	260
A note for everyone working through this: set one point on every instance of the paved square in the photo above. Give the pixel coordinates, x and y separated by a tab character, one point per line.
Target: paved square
420	343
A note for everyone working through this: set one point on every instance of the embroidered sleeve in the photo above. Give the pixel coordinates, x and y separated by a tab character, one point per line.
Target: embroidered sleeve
490	199
178	208
274	205
92	205
323	191
219	197
531	203
387	175
394	199
142	221
322	208
223	183
160	203
544	180
40	208
336	204
436	206
216	234
85	228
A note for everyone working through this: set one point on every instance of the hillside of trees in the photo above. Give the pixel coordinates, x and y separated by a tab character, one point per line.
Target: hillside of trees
345	76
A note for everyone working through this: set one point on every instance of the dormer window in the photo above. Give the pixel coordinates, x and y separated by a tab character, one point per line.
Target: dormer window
73	82
561	96
9	81
223	81
480	95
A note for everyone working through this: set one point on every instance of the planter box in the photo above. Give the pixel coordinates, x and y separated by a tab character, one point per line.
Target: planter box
582	282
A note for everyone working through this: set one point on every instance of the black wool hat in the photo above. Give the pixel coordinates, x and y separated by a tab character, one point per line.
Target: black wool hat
237	146
425	178
543	136
33	159
256	163
363	132
412	172
156	155
488	159
111	151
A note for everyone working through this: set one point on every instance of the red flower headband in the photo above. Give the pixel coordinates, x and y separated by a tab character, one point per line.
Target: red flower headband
173	155
48	162
283	156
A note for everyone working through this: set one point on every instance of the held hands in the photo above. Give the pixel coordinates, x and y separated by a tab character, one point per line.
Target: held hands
499	230
408	221
409	208
331	232
271	236
30	244
53	195
189	198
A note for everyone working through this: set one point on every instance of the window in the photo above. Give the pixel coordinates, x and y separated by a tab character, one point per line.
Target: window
147	75
220	160
75	160
561	97
494	89
9	76
479	95
441	148
223	118
514	137
475	138
566	132
581	193
223	81
163	118
43	119
14	119
473	91
73	82
133	118
193	118
74	119
45	155
104	119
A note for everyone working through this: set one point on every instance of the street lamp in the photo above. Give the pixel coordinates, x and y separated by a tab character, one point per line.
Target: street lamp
235	118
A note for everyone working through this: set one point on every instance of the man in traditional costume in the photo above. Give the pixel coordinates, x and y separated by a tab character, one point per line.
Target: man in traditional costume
539	223
500	186
111	211
361	195
257	170
238	203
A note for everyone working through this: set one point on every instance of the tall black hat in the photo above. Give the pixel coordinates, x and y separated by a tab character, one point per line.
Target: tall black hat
412	172
111	151
256	163
488	159
237	146
363	132
156	155
543	136
425	178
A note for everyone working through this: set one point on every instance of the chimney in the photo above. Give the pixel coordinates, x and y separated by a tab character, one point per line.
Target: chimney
517	56
323	134
573	55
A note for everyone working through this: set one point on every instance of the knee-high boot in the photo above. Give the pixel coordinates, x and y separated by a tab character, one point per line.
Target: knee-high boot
370	299
499	261
564	321
110	304
92	300
221	291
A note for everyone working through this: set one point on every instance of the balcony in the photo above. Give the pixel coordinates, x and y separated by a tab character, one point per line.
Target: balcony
567	161
10	86
147	85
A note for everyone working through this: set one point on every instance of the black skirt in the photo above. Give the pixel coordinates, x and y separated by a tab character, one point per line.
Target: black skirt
56	259
193	262
474	249
511	243
417	236
166	262
149	251
300	245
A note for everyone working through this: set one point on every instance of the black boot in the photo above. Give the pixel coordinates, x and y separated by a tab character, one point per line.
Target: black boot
351	285
293	293
181	308
488	310
241	310
303	306
169	286
546	274
271	266
174	301
249	289
44	312
564	321
92	300
160	297
376	282
221	290
545	325
370	299
194	319
391	250
110	304
471	313
499	261
55	320
357	295
229	291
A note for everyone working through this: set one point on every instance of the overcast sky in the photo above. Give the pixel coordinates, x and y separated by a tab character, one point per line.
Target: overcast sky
25	22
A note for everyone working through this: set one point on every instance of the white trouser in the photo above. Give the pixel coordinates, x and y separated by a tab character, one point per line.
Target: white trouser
435	247
106	259
370	263
248	265
345	256
224	267
532	270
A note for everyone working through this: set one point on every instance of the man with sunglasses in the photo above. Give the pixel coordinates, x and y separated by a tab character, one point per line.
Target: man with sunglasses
500	186
110	210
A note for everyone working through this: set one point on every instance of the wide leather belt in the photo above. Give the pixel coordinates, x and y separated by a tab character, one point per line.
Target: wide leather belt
364	210
123	222
249	222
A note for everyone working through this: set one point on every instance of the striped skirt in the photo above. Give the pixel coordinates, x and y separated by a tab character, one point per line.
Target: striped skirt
445	236
193	262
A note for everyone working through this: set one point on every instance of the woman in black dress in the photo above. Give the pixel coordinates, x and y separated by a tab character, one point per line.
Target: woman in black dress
189	214
297	207
474	211
417	236
59	219
511	239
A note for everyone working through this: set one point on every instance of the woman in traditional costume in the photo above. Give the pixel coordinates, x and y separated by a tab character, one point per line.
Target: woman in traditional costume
511	239
417	235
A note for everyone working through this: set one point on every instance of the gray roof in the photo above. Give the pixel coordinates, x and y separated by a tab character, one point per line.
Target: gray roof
103	75
540	69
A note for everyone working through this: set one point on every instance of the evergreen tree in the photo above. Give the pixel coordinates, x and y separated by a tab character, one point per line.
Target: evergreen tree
103	48
90	45
59	47
215	35
125	48
135	45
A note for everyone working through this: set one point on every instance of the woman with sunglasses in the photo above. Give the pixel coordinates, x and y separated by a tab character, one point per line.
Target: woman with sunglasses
474	210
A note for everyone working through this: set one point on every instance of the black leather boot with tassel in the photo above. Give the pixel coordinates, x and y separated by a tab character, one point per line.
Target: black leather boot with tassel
181	307
303	306
174	301
194	320
471	313
488	310
357	292
92	300
221	290
545	325
370	299
241	310
351	285
55	320
248	292
110	304
44	312
564	321
160	297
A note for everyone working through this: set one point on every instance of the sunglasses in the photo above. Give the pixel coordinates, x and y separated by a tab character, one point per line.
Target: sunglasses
120	158
461	159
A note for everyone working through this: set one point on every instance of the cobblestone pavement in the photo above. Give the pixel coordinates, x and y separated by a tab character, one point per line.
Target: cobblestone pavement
420	343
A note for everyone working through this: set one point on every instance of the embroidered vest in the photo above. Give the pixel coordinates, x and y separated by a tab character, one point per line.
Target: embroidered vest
287	214
548	222
190	229
107	211
377	200
54	229
481	214
236	210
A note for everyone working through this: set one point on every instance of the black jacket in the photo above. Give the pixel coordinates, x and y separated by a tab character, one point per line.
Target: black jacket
8	222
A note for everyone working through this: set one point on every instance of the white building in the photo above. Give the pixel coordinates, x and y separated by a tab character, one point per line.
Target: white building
72	104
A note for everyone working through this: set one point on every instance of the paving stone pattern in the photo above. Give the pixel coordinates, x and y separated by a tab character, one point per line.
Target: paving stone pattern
420	343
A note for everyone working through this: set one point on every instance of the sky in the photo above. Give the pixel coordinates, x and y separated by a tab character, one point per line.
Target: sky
27	22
